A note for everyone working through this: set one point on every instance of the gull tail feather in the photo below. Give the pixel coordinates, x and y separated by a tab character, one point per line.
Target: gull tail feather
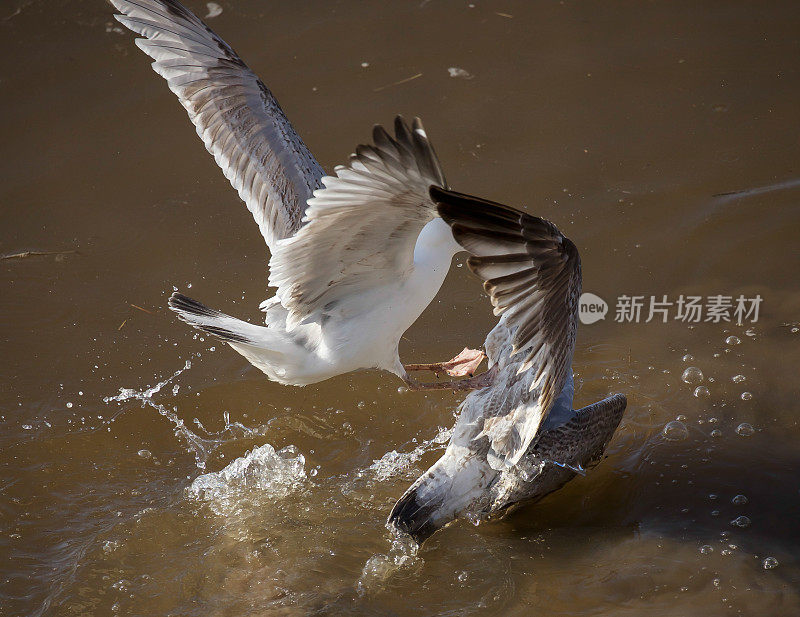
212	321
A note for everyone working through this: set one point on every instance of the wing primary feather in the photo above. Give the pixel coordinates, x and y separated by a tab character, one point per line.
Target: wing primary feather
532	274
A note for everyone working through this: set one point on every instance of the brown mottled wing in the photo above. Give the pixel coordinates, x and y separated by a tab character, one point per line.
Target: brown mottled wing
582	439
532	273
235	114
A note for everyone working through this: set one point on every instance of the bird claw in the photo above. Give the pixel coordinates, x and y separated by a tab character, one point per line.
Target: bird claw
462	365
465	363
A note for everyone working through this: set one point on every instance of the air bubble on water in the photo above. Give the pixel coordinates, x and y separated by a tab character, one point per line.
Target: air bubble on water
706	549
769	563
741	521
746	396
716	433
69	405
27	427
681	418
361	404
692	375
732	340
713	420
675	431
701	392
739	500
738	378
688	357
745	430
714	512
462	576
145	453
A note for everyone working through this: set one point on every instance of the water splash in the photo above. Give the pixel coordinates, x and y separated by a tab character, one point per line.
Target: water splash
202	445
394	463
379	568
262	474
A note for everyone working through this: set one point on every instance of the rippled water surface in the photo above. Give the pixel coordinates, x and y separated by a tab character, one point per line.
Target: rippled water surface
147	470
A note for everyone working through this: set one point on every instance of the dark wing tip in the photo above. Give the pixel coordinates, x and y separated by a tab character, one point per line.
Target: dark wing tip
184	304
408	517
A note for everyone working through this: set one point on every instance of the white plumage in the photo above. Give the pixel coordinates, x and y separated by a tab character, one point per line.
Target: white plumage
356	257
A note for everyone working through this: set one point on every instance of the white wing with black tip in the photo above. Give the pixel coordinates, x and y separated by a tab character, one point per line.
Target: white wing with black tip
235	114
532	274
362	228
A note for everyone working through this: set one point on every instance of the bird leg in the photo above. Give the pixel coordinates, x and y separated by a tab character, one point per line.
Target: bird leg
475	382
462	365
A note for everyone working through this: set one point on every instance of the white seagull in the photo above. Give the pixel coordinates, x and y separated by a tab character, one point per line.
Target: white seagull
355	257
518	439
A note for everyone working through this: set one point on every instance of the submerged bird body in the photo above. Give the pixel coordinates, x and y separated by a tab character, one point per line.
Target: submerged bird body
464	484
519	438
355	257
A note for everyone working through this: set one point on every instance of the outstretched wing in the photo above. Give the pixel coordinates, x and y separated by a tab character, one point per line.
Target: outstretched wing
532	274
235	114
362	227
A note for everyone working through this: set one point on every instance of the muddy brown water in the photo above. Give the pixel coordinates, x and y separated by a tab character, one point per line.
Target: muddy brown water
619	121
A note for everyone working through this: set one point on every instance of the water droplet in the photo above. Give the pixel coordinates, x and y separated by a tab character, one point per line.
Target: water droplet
732	340
692	375
769	563
675	431
681	418
741	521
69	405
706	549
701	392
145	453
746	396
745	430
739	500
688	357
462	576
714	512
361	404
716	433
402	390
738	378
